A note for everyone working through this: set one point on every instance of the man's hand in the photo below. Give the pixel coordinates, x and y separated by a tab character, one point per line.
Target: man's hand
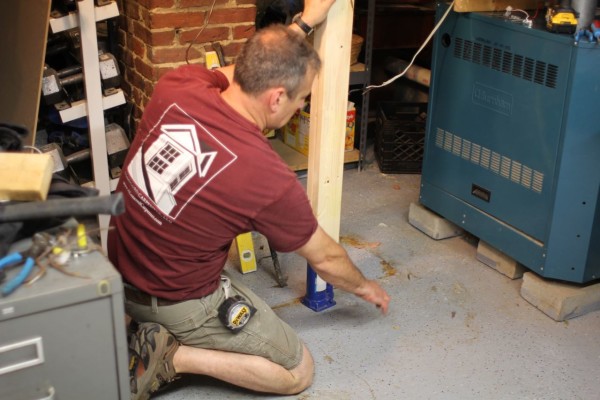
373	293
315	11
331	262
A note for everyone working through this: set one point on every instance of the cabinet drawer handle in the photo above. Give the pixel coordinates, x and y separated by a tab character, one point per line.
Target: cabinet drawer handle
20	355
50	394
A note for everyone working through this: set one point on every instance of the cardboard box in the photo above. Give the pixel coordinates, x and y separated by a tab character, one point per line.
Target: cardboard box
295	132
350	127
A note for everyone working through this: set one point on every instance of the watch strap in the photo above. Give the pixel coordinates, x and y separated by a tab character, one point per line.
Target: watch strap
303	25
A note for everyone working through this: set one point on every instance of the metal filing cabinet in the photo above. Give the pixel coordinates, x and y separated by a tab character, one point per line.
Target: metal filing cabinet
63	337
512	149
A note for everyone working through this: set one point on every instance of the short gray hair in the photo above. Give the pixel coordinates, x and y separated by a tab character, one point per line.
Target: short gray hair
274	56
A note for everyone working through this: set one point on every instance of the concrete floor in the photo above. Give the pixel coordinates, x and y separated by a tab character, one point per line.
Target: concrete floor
456	329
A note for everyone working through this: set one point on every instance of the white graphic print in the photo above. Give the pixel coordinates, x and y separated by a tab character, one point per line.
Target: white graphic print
178	157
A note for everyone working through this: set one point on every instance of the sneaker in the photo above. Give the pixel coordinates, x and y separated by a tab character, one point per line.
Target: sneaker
151	351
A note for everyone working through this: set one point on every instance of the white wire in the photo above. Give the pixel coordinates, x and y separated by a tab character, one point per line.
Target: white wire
525	21
521	11
33	149
368	88
187	51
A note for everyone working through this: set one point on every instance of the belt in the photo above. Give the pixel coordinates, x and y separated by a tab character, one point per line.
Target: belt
139	297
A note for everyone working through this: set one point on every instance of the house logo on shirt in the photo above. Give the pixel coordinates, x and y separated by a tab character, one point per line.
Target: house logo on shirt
176	161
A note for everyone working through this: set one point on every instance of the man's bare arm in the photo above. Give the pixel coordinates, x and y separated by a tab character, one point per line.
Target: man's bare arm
331	262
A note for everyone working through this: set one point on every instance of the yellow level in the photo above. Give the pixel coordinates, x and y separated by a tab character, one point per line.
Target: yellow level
245	248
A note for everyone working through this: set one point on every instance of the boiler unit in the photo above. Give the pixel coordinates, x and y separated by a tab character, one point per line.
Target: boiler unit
512	151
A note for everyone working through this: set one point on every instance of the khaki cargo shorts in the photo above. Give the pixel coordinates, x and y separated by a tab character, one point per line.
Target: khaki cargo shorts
196	323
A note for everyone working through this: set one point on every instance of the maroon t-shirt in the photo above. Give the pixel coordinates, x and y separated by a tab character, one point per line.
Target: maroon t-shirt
197	175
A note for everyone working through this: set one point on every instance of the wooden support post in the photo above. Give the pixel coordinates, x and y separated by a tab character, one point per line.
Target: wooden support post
327	134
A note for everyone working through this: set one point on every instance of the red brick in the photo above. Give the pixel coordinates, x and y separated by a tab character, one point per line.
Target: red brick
162	38
129	25
136	95
233	15
176	20
210	34
121	36
163	70
149	88
137	116
136	79
128	74
200	3
143	102
137	113
150	28
126	87
162	55
145	15
233	49
157	3
147	70
127	57
137	46
141	31
154	38
243	31
131	10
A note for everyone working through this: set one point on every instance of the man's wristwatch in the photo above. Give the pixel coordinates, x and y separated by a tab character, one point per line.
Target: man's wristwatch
306	28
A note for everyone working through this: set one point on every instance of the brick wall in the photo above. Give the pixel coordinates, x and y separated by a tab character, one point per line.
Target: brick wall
154	37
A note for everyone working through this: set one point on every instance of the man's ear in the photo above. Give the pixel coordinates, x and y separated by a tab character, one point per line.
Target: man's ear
276	98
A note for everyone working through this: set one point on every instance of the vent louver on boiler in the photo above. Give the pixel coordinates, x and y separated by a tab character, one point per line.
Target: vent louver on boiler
491	160
520	66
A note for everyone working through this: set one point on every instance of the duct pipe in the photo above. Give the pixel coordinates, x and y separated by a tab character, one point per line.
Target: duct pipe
415	73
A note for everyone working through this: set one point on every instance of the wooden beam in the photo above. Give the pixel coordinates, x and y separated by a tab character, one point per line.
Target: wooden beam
493	5
23	32
329	100
25	176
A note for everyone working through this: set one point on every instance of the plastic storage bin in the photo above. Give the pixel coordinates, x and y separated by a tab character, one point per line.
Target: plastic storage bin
400	137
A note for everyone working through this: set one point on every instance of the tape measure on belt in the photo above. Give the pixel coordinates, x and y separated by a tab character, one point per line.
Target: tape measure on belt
235	311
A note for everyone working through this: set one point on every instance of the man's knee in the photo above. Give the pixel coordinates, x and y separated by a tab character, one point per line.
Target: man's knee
303	373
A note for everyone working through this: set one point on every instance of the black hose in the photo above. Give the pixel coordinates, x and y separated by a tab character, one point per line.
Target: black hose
69	207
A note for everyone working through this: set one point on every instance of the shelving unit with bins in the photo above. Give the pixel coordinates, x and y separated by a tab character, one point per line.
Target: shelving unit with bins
95	103
360	74
402	27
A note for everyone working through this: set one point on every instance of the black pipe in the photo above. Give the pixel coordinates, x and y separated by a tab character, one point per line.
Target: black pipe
69	207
